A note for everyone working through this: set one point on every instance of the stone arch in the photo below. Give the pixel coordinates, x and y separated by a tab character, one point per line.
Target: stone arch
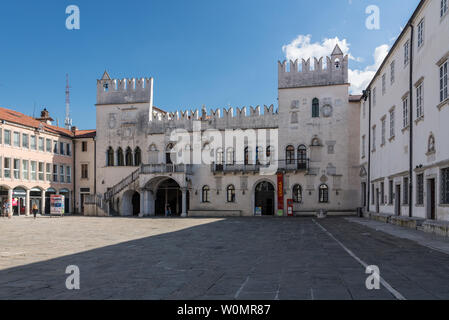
253	194
130	203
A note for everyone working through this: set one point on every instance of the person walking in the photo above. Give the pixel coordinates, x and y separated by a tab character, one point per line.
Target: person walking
2	208
7	210
35	210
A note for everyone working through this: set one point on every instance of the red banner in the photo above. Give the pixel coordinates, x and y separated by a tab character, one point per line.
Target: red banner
280	194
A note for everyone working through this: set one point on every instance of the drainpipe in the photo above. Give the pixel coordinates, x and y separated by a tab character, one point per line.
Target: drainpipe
410	196
75	211
367	96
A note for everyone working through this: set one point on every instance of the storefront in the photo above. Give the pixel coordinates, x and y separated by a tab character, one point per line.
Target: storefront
48	194
19	201
66	194
36	198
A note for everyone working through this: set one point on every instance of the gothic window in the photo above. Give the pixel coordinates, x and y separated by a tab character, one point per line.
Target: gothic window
297	194
315	108
120	158
230	158
110	157
431	144
137	157
246	155
259	155
129	157
324	194
168	152
205	194
230	193
290	155
269	154
302	157
220	157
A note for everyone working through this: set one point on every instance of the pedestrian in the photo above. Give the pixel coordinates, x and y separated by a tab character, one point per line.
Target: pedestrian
35	210
2	208
7	210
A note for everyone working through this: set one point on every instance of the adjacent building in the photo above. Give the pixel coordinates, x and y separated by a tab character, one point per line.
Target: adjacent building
37	160
404	122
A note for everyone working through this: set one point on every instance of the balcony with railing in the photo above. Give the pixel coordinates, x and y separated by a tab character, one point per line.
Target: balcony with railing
282	165
166	168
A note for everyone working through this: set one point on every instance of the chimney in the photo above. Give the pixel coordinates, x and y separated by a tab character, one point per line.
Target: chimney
74	129
45	117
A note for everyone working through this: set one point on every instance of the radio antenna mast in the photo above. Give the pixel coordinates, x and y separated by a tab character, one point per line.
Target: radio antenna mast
68	121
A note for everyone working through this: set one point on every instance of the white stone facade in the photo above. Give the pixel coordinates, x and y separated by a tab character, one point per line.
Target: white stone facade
310	141
394	97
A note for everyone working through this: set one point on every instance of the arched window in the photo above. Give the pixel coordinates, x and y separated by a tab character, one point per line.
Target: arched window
246	155
230	158
168	152
315	108
230	193
259	155
290	155
205	194
137	157
302	157
110	157
220	156
268	154
297	194
324	194
431	144
120	158
129	157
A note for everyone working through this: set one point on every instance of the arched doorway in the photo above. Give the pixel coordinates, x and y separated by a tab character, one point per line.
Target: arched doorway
264	198
66	194
130	204
48	194
136	204
169	195
19	201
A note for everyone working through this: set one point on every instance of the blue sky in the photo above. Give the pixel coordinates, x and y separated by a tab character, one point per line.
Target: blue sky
200	52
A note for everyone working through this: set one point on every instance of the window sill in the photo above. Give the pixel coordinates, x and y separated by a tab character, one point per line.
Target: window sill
419	205
444	205
443	104
418	120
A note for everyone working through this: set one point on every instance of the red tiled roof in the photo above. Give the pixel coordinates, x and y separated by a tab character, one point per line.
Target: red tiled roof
24	120
85	133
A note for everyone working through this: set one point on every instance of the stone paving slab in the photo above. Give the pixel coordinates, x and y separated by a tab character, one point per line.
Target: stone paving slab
234	258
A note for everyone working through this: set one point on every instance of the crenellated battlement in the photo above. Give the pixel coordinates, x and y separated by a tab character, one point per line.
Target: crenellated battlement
228	115
119	91
335	72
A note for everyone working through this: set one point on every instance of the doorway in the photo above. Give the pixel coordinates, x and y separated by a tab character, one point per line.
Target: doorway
431	199
136	204
398	200
169	196
377	200
264	198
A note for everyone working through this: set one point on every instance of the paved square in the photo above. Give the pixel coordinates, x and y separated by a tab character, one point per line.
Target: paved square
247	258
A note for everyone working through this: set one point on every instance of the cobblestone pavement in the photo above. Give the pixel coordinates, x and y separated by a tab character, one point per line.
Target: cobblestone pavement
255	259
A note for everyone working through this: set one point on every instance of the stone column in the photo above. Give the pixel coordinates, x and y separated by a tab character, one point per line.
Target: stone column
42	203
150	204
184	202
10	201
142	203
27	203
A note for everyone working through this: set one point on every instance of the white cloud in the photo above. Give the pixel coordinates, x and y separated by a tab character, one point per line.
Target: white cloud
303	48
